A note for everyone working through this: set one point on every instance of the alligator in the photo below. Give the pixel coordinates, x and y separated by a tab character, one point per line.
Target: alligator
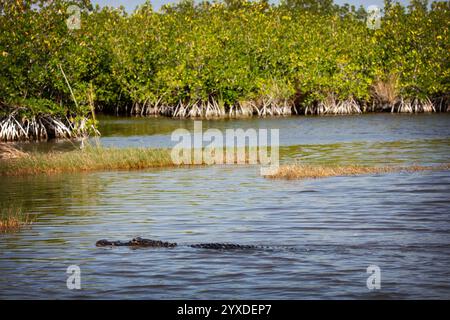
140	242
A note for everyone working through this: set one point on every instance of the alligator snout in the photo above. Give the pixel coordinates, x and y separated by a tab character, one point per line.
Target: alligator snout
103	243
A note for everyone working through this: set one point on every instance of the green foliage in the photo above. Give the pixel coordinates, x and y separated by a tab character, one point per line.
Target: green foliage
34	41
415	45
230	51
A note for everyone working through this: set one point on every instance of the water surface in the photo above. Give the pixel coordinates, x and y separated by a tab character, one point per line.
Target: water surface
325	232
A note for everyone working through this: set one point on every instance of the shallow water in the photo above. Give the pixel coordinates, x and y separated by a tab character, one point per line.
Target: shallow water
325	232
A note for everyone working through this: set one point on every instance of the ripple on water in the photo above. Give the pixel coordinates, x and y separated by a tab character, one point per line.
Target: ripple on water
329	230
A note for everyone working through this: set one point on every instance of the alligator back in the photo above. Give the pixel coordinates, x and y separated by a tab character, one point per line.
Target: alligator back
141	242
222	246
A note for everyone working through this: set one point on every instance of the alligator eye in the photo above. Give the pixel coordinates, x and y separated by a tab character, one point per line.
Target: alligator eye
101	243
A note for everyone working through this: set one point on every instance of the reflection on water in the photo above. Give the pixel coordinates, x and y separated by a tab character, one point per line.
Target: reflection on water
151	132
428	152
156	131
337	226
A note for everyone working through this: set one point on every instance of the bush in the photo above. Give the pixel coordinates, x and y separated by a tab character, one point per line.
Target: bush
236	56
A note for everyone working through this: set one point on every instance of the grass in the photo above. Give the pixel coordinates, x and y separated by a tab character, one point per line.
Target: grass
12	219
91	158
386	92
306	171
97	158
9	152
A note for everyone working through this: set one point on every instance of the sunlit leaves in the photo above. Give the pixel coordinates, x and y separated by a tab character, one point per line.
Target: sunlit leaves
231	51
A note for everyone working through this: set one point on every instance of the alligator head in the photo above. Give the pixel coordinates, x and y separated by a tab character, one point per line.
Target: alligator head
106	243
136	242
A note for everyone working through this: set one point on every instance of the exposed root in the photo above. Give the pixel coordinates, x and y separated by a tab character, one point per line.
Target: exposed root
42	127
415	106
148	108
275	107
243	109
386	96
442	104
331	105
212	108
385	99
350	106
206	109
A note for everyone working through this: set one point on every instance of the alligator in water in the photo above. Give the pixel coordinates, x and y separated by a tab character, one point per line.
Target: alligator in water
140	242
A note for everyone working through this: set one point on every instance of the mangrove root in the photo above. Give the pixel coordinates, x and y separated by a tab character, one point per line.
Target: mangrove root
42	127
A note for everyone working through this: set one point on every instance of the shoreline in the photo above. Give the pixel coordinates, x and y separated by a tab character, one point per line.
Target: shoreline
55	128
262	108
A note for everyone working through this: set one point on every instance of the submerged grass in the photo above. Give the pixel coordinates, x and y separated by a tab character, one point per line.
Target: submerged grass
12	219
307	171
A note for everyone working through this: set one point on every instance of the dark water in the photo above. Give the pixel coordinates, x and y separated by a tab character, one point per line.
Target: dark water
326	232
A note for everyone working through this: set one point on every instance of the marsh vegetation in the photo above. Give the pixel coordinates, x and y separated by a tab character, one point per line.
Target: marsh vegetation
91	158
308	171
13	219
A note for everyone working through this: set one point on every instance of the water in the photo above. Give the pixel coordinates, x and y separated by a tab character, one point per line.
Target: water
156	132
326	231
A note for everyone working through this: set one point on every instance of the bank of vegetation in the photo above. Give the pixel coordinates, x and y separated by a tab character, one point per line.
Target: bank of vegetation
215	59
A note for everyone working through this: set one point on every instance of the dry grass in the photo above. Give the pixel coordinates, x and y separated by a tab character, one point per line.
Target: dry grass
13	219
386	92
9	152
304	171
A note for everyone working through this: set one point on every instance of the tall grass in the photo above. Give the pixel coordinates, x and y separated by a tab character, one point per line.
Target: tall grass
98	158
386	93
91	158
12	219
